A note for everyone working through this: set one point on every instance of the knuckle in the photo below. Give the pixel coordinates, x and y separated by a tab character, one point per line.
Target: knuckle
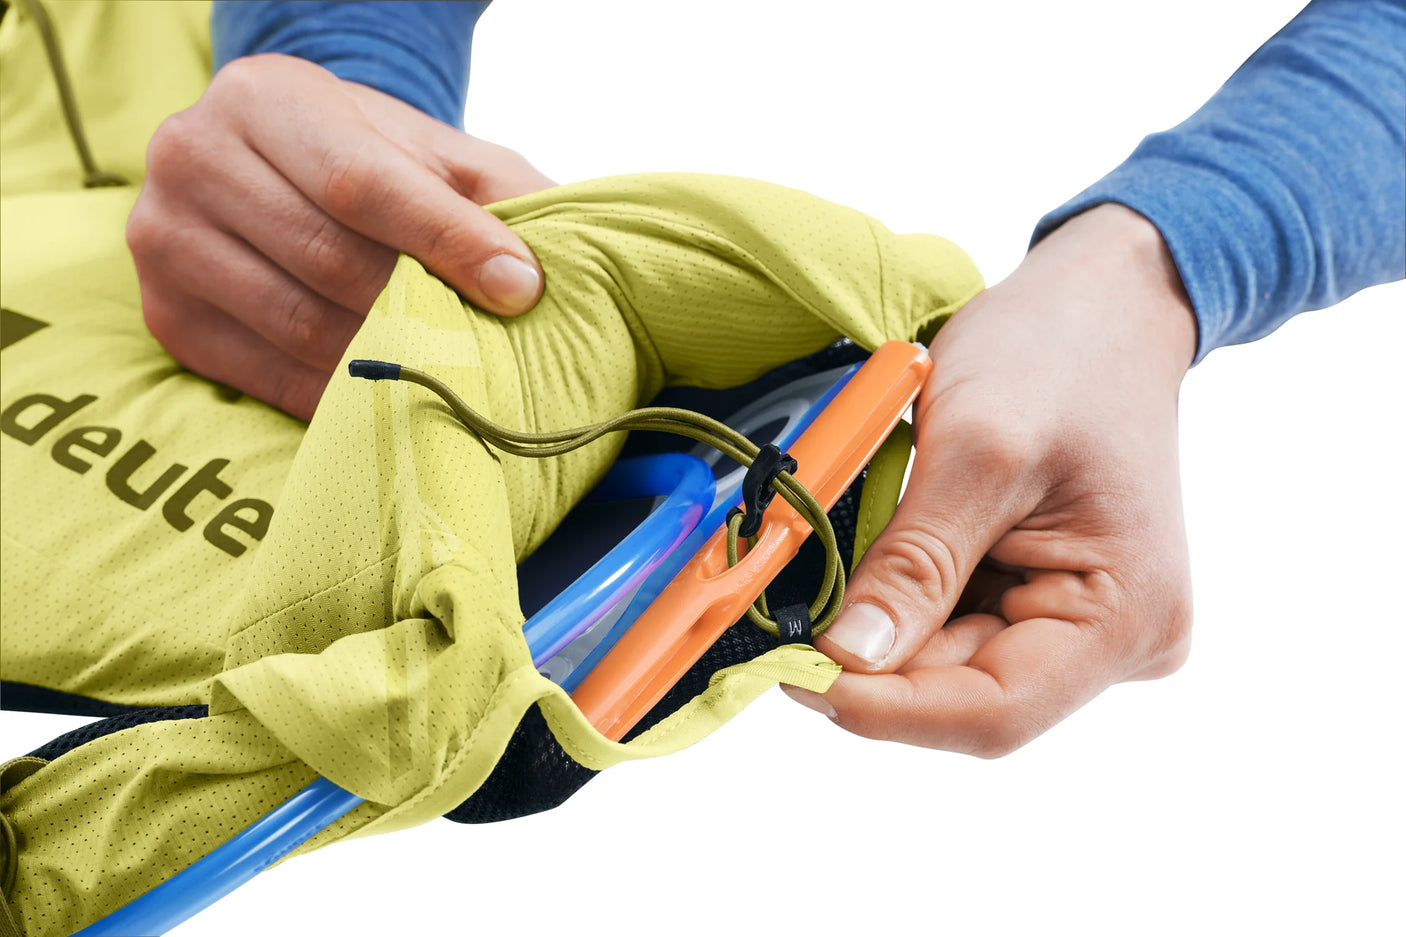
243	77
337	264
509	159
348	184
488	154
299	323
999	449
323	254
162	322
147	237
914	561
441	238
499	152
174	149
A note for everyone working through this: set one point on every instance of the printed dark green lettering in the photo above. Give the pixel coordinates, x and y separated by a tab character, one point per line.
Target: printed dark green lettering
119	477
32	417
229	517
81	439
59	410
207	478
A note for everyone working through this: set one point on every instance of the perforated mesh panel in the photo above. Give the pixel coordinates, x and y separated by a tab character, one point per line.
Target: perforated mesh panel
535	773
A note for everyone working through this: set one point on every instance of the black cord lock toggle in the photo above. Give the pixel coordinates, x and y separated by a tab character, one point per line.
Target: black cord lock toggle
756	487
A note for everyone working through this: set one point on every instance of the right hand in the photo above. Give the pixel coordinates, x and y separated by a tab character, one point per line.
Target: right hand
1038	555
275	207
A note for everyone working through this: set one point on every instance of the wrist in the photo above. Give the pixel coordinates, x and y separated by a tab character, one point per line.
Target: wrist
1110	269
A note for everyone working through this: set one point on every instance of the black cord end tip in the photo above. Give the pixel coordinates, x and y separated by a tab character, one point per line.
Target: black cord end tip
374	370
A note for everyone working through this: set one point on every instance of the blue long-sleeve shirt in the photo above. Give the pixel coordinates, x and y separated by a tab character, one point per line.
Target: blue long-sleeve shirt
415	51
1285	192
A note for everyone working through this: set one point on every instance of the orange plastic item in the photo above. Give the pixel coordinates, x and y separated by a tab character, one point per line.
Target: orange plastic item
707	597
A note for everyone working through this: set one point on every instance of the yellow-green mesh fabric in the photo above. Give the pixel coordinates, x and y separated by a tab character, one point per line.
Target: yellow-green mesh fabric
371	633
376	637
103	599
707	280
132	64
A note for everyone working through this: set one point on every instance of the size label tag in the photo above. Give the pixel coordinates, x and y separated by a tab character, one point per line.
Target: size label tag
794	624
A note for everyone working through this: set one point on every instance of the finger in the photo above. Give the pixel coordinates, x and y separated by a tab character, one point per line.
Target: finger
223	272
1156	648
377	189
268	212
481	171
953	645
964	494
956	642
984	589
1023	680
234	355
485	172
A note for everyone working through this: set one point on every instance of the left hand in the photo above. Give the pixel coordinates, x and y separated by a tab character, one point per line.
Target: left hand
274	209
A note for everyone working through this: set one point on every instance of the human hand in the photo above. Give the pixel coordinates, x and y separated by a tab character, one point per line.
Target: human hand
274	209
1042	521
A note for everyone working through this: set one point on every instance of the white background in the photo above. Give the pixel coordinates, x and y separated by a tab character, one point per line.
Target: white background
1259	790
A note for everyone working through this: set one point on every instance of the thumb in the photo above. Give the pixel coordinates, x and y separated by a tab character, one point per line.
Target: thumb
964	494
506	278
445	176
508	282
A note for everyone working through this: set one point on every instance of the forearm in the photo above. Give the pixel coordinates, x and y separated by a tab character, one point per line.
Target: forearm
415	51
1285	192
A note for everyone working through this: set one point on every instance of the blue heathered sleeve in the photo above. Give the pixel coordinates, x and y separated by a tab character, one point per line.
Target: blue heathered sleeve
415	51
1287	190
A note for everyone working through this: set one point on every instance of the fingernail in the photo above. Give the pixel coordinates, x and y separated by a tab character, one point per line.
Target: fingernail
509	282
810	700
865	631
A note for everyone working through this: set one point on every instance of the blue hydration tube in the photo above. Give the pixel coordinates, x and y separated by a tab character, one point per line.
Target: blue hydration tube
209	879
687	481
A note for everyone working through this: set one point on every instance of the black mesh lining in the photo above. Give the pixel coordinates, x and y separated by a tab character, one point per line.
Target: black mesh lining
28	698
95	730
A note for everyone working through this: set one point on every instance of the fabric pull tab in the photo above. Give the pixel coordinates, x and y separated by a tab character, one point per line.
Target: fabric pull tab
794	624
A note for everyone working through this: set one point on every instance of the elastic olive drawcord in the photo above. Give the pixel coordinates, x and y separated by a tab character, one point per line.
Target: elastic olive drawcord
679	422
93	177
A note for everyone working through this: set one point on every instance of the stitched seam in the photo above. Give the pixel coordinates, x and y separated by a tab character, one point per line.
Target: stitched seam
315	595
